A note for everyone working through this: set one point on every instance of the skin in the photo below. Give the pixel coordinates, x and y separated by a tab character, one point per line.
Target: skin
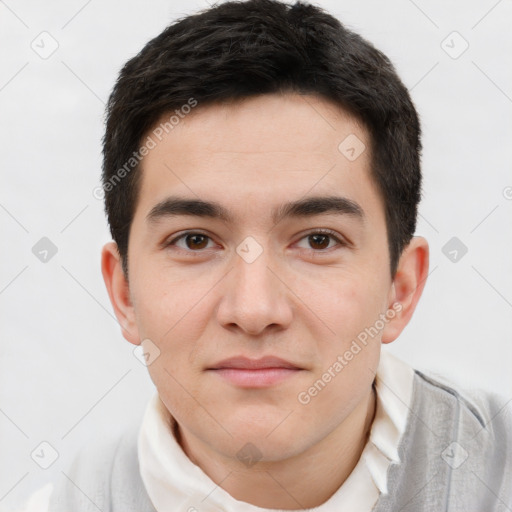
302	299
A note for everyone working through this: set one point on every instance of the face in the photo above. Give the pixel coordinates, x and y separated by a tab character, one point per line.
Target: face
297	283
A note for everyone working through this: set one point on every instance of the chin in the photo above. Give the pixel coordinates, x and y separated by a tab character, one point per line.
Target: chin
268	442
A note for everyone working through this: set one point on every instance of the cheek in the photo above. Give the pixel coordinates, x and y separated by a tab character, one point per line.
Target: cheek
175	322
349	356
349	352
171	314
344	305
164	304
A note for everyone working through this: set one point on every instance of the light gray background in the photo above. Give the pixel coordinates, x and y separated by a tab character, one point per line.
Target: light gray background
67	376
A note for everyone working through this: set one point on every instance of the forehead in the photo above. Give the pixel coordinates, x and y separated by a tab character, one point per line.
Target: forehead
258	151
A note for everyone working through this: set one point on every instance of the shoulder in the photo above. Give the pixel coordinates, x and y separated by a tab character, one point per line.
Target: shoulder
102	473
456	452
473	410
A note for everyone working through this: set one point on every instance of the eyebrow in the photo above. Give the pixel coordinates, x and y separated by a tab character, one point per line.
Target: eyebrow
307	207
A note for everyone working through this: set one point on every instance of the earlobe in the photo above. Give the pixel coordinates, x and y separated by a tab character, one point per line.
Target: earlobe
407	287
118	291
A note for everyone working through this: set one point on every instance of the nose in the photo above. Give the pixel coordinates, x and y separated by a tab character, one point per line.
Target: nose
255	296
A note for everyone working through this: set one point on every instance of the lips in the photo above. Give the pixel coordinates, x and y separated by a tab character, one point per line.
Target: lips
243	372
245	363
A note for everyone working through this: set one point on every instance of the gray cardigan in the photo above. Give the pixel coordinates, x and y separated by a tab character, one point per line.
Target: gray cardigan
456	456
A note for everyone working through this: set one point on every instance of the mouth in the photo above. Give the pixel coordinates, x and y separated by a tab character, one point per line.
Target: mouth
255	373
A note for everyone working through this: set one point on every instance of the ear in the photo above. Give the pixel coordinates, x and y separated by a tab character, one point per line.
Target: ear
119	292
407	287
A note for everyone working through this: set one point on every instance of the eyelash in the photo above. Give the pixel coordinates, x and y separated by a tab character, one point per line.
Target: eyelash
332	234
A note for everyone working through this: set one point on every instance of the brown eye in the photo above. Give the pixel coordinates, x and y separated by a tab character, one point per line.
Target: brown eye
196	241
191	242
319	241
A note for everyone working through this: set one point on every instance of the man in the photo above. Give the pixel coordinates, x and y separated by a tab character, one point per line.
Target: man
262	178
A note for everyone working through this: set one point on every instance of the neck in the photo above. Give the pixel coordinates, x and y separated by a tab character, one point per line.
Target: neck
281	484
